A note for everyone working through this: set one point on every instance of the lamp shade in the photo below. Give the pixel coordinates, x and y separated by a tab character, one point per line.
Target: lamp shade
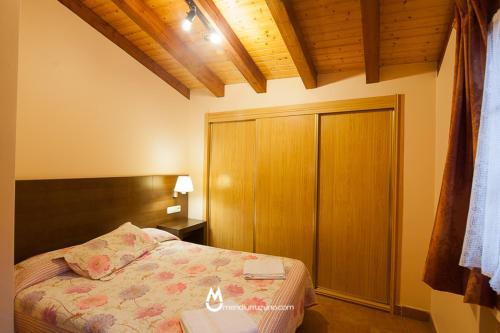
183	184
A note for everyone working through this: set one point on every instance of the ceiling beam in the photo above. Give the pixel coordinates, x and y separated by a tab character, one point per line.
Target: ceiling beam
86	14
235	49
370	18
146	18
290	31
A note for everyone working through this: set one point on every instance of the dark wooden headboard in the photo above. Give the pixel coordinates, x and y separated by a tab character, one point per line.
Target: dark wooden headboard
56	213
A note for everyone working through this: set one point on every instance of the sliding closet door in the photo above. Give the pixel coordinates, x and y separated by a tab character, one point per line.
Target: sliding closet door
286	187
231	185
354	205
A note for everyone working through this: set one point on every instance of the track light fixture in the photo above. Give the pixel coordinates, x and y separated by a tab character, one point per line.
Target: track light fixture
212	35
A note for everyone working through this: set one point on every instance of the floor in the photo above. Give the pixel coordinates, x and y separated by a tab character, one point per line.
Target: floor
331	315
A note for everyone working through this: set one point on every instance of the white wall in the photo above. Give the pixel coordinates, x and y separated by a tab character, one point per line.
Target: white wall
419	90
449	312
9	17
88	109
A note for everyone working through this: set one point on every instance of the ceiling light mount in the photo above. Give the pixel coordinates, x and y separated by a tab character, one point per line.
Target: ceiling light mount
211	35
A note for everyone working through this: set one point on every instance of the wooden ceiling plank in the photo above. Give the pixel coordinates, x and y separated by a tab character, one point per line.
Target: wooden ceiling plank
86	14
151	23
291	33
235	49
370	18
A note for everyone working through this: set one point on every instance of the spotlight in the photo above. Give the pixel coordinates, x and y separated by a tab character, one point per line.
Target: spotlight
214	37
188	21
186	25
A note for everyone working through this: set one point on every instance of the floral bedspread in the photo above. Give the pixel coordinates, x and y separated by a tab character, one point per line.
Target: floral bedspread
149	294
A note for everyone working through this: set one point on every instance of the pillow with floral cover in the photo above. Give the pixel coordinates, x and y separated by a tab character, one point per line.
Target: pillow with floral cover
160	235
100	257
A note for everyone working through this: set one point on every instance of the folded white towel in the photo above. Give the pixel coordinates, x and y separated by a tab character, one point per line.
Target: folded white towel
264	269
223	321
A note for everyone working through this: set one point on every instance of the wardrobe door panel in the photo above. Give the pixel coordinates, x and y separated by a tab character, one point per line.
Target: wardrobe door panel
354	204
286	187
231	185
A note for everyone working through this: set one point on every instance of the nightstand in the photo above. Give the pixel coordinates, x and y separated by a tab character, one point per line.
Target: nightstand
189	230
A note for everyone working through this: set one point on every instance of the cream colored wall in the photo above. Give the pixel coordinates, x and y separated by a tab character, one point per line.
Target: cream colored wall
444	94
419	89
86	108
449	312
9	17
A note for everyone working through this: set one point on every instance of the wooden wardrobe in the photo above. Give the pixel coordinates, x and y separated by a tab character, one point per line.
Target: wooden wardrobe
316	182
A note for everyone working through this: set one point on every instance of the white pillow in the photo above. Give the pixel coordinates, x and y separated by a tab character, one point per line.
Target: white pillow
159	235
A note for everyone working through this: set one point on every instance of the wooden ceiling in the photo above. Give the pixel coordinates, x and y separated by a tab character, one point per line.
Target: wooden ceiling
271	39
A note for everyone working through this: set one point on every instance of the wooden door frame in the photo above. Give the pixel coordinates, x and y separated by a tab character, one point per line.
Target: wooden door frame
392	102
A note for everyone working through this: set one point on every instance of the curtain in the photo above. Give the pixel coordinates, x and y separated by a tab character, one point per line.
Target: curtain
481	247
442	269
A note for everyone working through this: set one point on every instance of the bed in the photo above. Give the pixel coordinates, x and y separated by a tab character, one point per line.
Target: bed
149	294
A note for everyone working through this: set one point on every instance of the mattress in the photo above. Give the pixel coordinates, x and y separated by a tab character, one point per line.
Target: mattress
150	294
